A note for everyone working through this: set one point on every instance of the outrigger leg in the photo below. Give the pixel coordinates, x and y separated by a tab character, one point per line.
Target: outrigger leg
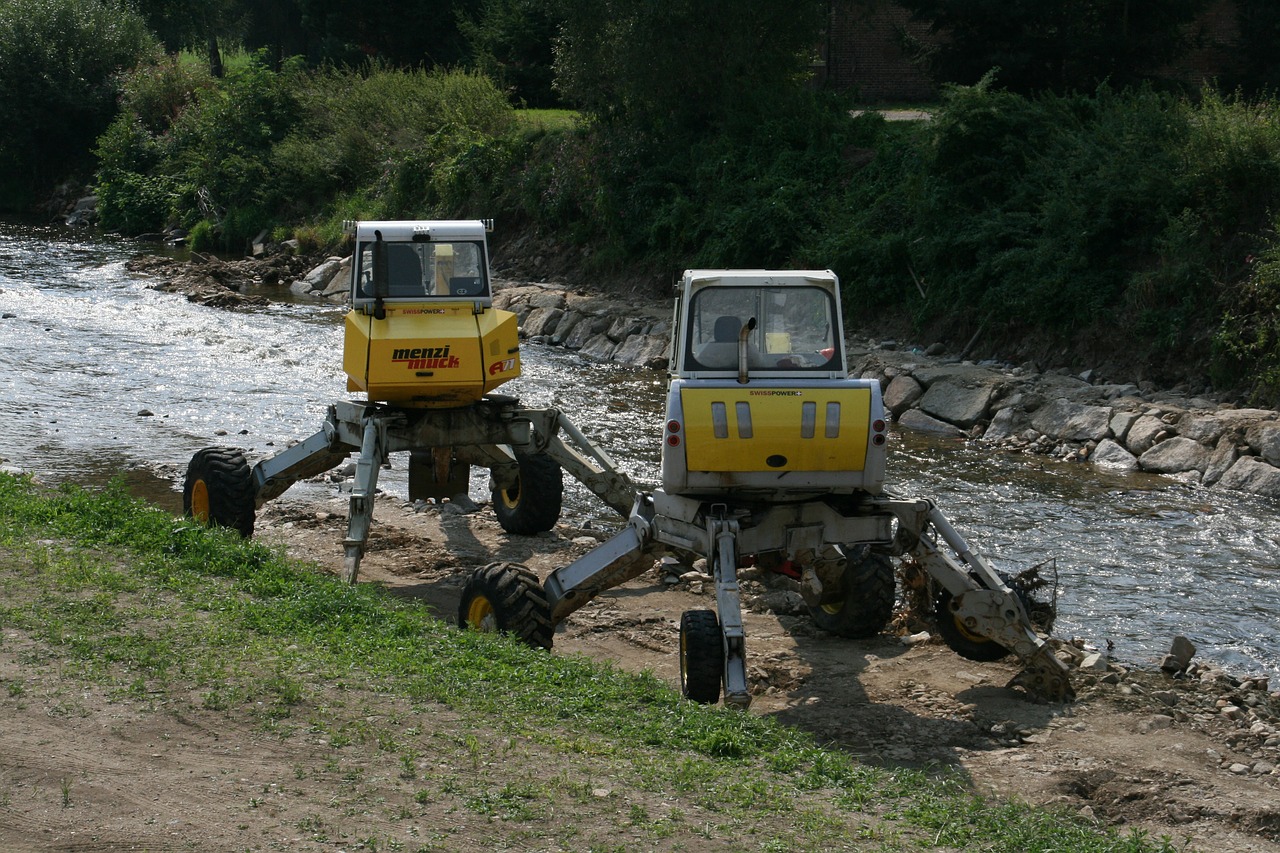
373	453
722	534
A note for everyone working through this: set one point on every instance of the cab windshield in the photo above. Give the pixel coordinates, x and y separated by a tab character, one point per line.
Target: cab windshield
794	328
416	270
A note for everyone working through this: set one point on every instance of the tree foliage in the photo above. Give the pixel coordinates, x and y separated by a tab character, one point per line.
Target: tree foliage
511	41
1054	45
58	61
1259	25
683	65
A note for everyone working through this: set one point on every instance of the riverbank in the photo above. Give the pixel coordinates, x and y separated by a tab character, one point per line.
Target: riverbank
1189	772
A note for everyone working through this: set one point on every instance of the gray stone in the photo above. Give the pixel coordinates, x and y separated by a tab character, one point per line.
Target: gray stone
541	321
641	350
601	348
1093	662
340	282
568	321
1063	419
1175	456
955	403
623	328
587	329
918	420
318	278
1251	474
1265	441
1181	651
968	374
1142	434
1120	423
902	394
1007	423
1205	429
1109	454
1221	460
547	299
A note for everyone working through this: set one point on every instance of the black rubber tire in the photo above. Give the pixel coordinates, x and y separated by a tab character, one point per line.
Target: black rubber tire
701	656
959	639
532	505
218	490
867	605
507	598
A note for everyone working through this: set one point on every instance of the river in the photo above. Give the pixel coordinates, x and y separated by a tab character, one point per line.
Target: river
103	377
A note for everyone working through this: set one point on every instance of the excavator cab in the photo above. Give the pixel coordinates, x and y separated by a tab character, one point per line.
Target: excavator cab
422	331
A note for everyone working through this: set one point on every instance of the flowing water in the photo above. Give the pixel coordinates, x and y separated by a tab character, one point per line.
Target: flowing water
101	377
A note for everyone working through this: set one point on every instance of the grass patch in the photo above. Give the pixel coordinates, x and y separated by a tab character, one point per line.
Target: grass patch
112	592
548	120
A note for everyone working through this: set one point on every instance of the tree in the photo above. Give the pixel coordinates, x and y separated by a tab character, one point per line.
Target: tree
58	61
682	64
1055	45
1259	25
201	27
402	33
511	41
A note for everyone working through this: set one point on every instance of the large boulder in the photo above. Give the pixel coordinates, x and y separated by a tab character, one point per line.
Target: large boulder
1109	454
1206	429
902	394
918	420
1143	434
1221	460
1251	474
541	321
1264	438
957	403
1175	456
1068	421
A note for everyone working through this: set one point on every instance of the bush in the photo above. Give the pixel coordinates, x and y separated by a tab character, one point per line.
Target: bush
58	61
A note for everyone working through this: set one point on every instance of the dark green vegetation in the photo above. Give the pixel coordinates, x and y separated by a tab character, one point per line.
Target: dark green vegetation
1115	226
173	618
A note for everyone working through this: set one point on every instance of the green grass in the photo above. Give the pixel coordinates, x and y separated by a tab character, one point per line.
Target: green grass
122	596
548	120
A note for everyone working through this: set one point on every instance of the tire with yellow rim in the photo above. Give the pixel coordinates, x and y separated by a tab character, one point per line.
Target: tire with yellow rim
507	598
961	640
218	490
532	504
701	656
865	603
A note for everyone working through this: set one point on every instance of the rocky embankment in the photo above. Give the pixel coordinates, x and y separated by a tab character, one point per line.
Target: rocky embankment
1128	427
1120	426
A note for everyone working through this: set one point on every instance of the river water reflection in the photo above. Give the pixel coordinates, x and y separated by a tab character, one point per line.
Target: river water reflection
102	376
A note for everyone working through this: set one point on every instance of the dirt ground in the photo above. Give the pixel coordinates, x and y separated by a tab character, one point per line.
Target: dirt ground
1180	758
1147	751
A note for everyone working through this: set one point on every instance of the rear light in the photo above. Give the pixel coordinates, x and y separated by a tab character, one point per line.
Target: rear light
673	440
878	439
673	426
878	426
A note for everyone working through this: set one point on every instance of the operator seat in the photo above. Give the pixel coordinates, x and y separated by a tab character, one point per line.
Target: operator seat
404	270
721	352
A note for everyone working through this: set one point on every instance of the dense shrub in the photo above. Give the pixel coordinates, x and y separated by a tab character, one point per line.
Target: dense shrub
58	59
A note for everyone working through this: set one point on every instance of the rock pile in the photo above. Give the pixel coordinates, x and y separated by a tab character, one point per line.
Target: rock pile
1120	426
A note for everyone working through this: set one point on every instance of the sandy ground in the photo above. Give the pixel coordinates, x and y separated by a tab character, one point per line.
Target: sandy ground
78	773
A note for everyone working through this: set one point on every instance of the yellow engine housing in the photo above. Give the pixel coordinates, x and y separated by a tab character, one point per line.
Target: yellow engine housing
430	354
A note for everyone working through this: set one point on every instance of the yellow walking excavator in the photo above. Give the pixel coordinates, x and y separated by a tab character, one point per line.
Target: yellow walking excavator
771	455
